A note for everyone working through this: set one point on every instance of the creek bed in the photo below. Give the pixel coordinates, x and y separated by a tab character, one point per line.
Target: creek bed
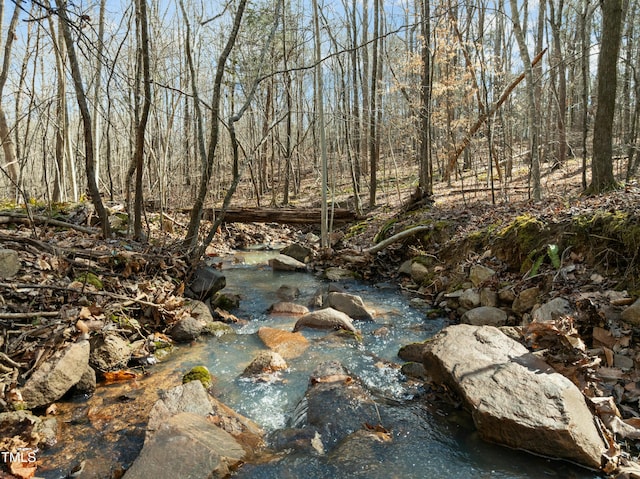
427	440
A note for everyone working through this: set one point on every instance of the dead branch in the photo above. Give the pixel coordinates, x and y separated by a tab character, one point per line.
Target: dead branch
173	220
12	217
73	290
7	360
395	238
455	154
34	314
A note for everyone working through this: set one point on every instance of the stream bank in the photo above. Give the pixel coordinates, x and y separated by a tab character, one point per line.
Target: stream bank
443	258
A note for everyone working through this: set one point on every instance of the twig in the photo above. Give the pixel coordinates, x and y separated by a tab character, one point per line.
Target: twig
173	220
42	314
22	218
72	290
7	360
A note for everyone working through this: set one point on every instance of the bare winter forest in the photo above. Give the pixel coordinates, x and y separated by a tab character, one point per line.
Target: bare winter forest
183	103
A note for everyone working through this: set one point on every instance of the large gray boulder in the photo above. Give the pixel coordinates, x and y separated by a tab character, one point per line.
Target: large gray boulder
205	282
515	397
282	262
9	263
182	442
109	352
335	405
327	318
57	375
350	304
187	446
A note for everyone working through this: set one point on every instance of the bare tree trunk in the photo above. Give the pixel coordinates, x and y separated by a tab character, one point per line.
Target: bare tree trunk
531	100
357	133
97	86
141	127
425	181
584	64
374	150
602	178
62	127
319	85
288	165
86	119
556	25
191	238
8	147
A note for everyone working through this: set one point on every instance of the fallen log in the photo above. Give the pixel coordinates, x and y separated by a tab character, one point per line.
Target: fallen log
280	215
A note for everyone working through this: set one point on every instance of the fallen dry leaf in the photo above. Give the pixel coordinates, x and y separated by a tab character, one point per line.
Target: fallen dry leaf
122	375
603	337
23	469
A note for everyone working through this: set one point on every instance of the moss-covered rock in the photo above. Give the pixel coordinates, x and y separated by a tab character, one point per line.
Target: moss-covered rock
520	241
225	301
217	329
198	373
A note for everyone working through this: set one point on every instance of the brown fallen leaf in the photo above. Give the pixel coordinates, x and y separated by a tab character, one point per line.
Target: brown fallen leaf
603	337
122	375
608	355
23	469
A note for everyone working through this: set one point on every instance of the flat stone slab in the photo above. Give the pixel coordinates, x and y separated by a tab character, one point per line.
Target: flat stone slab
186	446
57	375
288	345
514	396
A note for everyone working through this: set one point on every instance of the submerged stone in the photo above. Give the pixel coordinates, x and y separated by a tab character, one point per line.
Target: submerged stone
289	345
206	281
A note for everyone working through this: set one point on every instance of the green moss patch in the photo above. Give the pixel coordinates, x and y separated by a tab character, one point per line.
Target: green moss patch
198	373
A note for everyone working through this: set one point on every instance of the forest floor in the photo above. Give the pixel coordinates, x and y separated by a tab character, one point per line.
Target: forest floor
69	273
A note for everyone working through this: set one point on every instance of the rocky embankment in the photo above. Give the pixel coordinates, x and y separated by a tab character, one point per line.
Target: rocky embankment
541	350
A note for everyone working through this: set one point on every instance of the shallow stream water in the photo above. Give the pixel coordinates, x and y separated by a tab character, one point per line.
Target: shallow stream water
427	441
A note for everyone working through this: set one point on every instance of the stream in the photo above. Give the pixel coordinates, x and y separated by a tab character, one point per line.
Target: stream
428	441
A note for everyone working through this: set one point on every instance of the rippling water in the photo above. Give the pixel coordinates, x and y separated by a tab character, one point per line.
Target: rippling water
428	441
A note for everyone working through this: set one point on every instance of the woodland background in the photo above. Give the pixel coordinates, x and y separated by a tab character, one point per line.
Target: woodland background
186	104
